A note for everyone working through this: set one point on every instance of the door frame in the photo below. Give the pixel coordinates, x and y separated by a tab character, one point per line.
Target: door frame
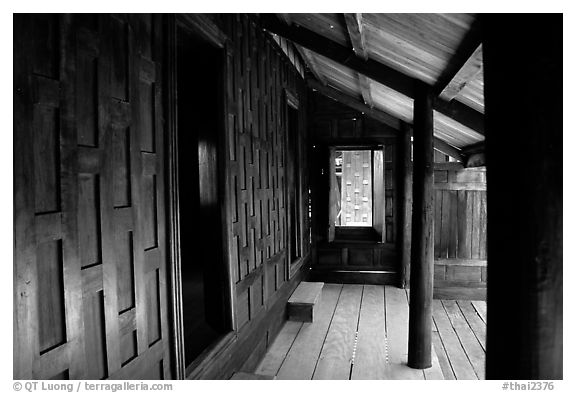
202	27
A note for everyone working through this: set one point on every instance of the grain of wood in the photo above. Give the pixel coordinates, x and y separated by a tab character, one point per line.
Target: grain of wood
370	359
460	364
397	335
434	372
469	342
480	307
279	349
306	293
302	357
442	356
474	320
336	355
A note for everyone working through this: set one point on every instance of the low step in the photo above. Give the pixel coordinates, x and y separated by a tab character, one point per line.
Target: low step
243	375
301	303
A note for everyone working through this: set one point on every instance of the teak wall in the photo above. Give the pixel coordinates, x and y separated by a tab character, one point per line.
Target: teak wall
90	291
260	82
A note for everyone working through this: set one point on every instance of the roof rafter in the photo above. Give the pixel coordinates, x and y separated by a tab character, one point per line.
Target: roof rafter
366	90
463	65
467	73
356	34
372	69
378	115
311	63
358	40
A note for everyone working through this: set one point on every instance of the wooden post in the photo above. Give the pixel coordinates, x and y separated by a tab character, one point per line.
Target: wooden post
405	203
524	124
422	252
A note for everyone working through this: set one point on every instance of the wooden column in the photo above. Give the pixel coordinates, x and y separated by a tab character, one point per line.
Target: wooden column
422	252
405	203
524	125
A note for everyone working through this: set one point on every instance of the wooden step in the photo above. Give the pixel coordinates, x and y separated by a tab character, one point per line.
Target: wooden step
242	375
301	303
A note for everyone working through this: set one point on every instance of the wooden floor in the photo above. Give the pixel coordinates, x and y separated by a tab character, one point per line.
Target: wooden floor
361	332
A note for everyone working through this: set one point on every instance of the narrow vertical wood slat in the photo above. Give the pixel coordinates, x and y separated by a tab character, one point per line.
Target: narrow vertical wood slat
69	187
25	327
138	195
107	204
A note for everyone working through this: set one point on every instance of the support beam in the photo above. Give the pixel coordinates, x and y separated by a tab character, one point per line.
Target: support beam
525	317
449	150
356	34
422	252
467	73
353	103
379	115
464	62
309	59
405	203
366	90
372	69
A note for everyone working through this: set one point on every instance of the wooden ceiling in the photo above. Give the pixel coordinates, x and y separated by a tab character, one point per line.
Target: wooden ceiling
376	59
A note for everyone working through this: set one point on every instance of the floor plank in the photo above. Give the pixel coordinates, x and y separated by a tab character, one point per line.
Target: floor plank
397	333
476	323
467	338
336	356
442	356
279	349
460	364
434	373
370	356
302	357
480	307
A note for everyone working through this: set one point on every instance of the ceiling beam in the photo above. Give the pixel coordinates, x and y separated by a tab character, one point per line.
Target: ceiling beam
353	103
356	34
370	68
378	115
467	49
358	41
311	62
467	73
366	91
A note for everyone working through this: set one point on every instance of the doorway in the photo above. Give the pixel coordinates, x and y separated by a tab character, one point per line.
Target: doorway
205	310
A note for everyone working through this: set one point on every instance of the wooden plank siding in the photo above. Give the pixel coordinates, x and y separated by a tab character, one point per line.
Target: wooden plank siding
90	249
460	232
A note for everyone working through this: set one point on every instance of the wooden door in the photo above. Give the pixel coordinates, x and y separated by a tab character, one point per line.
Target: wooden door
89	267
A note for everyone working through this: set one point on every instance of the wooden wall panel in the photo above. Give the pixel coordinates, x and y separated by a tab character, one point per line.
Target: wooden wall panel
89	217
460	231
256	122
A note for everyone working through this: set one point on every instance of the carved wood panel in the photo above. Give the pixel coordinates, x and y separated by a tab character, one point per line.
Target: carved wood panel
90	288
258	74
